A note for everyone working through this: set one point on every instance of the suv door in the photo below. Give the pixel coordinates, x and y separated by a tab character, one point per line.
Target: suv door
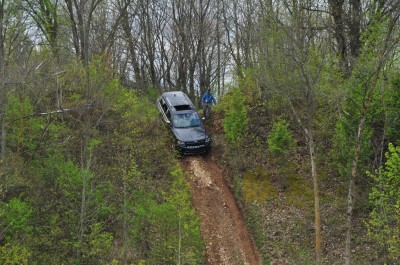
162	106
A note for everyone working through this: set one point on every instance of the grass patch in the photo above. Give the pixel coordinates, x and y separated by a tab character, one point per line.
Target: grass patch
299	192
254	220
257	186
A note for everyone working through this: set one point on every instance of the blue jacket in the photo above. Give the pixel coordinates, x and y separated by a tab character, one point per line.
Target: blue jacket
208	98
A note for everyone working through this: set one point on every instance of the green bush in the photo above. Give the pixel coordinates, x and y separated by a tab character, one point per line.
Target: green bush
14	218
169	228
384	221
14	254
236	120
280	139
24	131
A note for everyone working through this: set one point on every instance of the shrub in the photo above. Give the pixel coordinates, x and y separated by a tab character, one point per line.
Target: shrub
236	120
280	139
384	221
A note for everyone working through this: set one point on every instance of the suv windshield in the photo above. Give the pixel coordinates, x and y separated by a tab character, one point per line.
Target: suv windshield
186	120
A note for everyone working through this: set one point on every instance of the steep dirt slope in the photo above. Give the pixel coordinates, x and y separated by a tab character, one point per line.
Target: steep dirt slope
227	238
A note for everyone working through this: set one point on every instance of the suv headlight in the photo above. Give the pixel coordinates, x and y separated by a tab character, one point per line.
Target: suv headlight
208	139
181	143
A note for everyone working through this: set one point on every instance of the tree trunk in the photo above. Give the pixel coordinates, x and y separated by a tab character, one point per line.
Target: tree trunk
355	27
125	236
336	7
2	87
218	51
238	59
3	135
82	216
74	28
131	42
354	168
317	214
350	196
148	40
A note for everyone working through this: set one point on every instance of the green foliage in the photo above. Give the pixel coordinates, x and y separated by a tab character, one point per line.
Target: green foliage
280	139
80	86
58	230
98	243
358	87
16	229
252	94
139	134
391	102
24	131
190	243
14	255
151	94
70	181
341	152
75	205
343	145
236	120
171	228
384	222
14	218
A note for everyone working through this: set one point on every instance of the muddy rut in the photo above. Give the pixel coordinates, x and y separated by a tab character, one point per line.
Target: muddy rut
227	238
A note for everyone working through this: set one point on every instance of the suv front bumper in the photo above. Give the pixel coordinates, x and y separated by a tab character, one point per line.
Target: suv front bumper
191	148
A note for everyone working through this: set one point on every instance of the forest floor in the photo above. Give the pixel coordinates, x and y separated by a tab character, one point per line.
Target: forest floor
227	238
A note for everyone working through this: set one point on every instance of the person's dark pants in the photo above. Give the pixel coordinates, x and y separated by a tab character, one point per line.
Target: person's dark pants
205	107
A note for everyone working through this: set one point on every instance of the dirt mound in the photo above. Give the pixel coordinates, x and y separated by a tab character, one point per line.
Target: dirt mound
227	238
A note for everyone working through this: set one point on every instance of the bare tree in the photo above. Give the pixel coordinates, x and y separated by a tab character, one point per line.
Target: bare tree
185	44
45	14
171	44
81	17
147	24
144	26
304	102
232	32
131	39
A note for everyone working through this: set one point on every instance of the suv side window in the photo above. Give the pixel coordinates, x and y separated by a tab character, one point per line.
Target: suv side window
165	109
164	106
168	114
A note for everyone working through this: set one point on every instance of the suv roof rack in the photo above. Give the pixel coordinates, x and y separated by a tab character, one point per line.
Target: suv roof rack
178	100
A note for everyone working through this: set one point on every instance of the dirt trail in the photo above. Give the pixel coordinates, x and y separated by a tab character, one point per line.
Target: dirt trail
227	238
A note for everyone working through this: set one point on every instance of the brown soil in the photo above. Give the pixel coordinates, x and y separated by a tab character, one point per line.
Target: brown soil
228	240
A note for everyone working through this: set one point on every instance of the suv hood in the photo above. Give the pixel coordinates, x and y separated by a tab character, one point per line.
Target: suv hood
190	134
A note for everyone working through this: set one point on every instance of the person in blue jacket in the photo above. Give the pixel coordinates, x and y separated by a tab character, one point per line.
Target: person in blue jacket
207	101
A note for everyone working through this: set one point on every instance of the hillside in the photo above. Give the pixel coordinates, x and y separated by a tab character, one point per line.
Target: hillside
306	132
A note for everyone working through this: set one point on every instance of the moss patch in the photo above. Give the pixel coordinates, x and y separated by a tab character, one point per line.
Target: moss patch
299	193
257	186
